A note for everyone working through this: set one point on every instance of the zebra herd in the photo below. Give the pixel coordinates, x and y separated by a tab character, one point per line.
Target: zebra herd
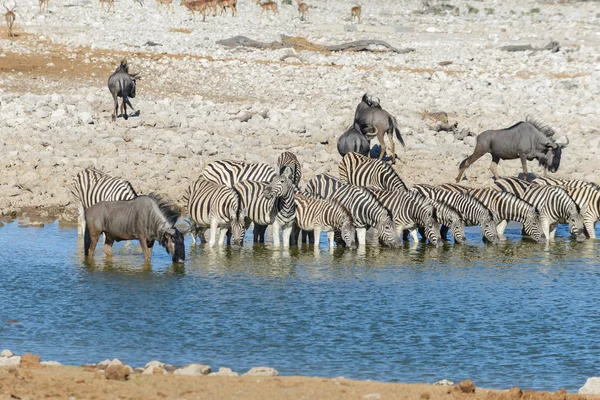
229	196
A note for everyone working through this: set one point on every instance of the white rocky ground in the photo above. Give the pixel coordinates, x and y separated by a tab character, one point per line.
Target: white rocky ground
195	94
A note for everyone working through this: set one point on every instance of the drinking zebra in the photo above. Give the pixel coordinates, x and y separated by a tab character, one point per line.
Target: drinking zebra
471	209
228	173
588	200
448	217
516	186
508	207
358	170
366	210
320	215
289	160
270	204
410	211
92	186
554	205
216	207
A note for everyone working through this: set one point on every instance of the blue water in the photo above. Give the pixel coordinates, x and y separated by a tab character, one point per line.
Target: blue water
517	313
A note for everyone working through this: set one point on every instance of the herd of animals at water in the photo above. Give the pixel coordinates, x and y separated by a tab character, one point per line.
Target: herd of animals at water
205	7
229	196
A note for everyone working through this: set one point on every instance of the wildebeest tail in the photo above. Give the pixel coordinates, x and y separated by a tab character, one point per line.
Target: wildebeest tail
394	124
87	240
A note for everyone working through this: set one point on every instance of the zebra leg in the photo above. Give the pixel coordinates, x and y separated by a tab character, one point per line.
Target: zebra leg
294	236
331	238
553	230
213	232
222	233
413	234
286	233
444	232
81	224
276	229
501	227
361	234
590	227
317	233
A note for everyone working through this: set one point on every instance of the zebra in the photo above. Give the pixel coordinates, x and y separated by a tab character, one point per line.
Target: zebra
216	207
568	183
410	211
313	214
447	216
358	170
365	208
92	186
508	207
516	186
289	160
555	206
588	200
228	173
270	204
471	209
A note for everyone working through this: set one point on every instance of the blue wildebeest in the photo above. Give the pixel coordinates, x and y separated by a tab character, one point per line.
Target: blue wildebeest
353	141
373	121
528	140
122	84
146	218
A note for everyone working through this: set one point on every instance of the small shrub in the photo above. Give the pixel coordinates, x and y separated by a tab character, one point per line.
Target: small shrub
489	11
287	2
471	9
534	11
512	12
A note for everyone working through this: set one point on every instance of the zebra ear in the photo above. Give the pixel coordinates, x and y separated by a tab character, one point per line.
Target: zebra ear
287	171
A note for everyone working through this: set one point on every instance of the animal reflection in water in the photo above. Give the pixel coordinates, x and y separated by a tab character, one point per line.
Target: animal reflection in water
146	218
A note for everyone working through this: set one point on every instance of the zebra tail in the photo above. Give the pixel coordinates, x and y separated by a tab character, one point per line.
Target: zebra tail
394	124
87	240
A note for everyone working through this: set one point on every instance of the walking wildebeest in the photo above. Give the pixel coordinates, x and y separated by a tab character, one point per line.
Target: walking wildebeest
373	121
528	140
122	84
353	141
146	218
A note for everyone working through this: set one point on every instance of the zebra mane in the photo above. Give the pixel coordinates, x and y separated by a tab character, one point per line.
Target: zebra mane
166	209
541	126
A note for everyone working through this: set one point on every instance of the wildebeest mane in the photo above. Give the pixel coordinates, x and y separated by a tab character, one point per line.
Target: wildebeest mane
165	208
123	67
541	126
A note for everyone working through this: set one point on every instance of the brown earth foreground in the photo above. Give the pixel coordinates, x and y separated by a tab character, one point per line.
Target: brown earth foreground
87	383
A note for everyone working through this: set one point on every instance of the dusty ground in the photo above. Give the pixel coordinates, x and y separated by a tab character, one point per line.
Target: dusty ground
79	383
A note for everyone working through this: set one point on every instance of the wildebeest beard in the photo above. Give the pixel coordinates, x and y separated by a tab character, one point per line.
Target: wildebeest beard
551	160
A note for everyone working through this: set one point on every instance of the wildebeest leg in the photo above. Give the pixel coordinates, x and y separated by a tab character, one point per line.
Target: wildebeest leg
392	145
479	151
494	166
524	164
94	236
381	138
124	107
108	243
146	247
116	100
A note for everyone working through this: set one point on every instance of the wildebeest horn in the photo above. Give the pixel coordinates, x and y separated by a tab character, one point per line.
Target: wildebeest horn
562	141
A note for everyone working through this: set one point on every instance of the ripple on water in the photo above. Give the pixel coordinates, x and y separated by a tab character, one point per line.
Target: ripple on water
517	313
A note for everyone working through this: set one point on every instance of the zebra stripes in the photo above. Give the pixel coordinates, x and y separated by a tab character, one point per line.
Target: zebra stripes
92	186
289	160
216	207
320	215
358	170
410	211
516	186
568	183
471	210
554	205
270	204
451	219
508	207
229	173
588	201
366	210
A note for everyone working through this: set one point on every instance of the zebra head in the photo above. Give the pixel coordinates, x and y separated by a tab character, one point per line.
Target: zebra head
575	221
458	231
280	186
238	226
490	232
532	226
387	233
349	233
431	227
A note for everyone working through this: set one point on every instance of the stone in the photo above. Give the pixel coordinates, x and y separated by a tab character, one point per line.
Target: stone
515	393
50	363
444	382
7	353
466	386
371	396
193	370
85	118
592	386
103	364
117	372
10	361
262	371
226	372
154	363
29	360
